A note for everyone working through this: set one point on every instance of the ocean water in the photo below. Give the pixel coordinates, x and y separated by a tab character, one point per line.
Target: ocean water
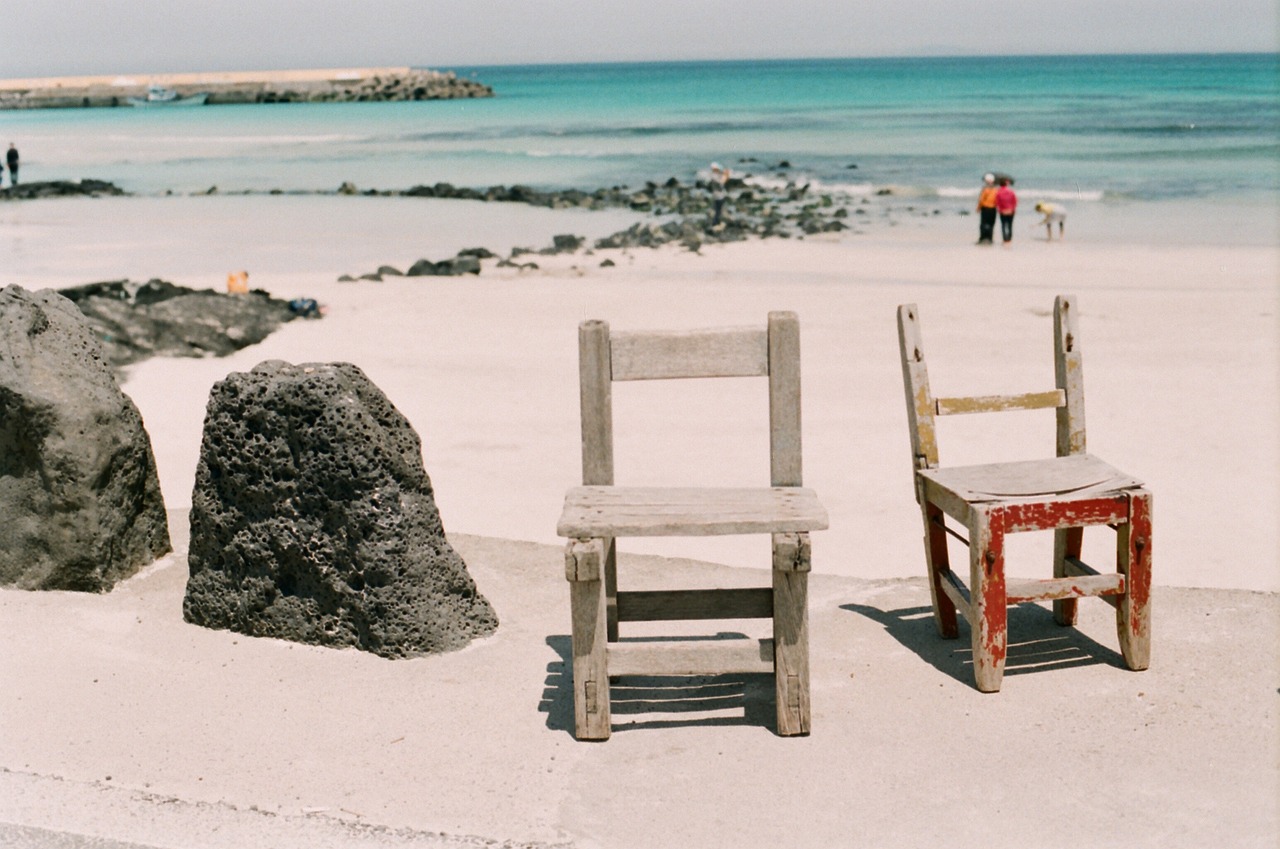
1192	131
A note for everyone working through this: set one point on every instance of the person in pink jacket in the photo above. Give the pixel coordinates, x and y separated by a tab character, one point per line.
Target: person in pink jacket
1006	205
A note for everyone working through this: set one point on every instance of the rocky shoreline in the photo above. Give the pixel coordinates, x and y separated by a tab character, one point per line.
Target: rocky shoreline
319	86
683	209
679	212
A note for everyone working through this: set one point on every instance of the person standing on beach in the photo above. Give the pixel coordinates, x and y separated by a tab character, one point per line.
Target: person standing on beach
987	209
12	158
719	180
1053	212
1006	205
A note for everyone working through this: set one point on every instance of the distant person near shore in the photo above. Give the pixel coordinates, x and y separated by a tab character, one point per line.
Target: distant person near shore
1052	213
987	210
1006	205
12	159
719	180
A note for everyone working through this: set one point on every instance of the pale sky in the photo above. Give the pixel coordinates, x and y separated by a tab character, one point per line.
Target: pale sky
64	37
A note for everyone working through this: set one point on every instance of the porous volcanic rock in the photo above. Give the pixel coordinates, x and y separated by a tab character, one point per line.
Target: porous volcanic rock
314	520
80	504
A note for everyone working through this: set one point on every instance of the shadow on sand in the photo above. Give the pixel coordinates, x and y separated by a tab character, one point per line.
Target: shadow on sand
662	701
1036	642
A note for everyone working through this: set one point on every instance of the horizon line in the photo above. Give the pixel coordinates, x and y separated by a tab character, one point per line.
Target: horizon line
691	61
869	57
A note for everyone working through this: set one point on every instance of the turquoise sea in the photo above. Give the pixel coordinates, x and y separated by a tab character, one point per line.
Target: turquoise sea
1101	131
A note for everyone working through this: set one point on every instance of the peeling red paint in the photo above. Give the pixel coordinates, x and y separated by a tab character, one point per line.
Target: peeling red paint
1139	571
1013	518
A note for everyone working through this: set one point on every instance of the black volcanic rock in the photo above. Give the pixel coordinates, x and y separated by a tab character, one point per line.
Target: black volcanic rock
314	520
80	503
134	321
59	188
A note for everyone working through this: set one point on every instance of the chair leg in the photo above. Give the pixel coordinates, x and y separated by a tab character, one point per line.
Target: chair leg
611	588
1133	560
591	716
939	563
990	615
1067	542
791	564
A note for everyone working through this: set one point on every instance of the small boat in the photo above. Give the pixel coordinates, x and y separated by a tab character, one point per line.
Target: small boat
161	96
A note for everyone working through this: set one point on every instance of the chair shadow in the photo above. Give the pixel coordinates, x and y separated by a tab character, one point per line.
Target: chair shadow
1036	642
646	695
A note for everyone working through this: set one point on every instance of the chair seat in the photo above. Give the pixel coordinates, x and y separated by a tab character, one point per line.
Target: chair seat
628	511
1078	475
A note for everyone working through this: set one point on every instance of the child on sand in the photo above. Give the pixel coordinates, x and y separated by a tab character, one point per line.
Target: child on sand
1053	212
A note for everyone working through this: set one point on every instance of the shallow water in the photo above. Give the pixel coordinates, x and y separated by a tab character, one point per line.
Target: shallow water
1105	134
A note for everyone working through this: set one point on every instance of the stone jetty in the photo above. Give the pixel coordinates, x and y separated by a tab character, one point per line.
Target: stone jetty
307	86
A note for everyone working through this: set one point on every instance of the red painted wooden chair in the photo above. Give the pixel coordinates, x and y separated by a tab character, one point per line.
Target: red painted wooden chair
599	512
1064	494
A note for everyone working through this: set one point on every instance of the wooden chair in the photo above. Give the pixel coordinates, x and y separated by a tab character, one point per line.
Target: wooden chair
598	512
1064	494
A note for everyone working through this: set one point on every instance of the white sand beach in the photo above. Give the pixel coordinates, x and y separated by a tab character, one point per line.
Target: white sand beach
119	722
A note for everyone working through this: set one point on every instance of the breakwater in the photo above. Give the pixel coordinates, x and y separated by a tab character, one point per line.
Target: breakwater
302	86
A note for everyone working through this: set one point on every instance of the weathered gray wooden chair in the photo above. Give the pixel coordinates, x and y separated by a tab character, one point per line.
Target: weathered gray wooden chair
1064	494
598	512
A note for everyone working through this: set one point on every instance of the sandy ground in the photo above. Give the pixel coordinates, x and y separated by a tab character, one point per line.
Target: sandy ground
1180	350
123	722
121	725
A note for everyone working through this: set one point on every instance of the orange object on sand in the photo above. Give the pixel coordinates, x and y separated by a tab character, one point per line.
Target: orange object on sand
238	283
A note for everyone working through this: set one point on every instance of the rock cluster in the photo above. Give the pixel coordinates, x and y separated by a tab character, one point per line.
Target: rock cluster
59	188
80	503
758	209
467	261
314	520
134	321
751	211
408	84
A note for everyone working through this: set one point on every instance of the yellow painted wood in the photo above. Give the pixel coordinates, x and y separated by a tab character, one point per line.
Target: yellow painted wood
999	403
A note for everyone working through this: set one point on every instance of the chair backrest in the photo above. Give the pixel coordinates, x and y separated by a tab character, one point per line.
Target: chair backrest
772	351
923	407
